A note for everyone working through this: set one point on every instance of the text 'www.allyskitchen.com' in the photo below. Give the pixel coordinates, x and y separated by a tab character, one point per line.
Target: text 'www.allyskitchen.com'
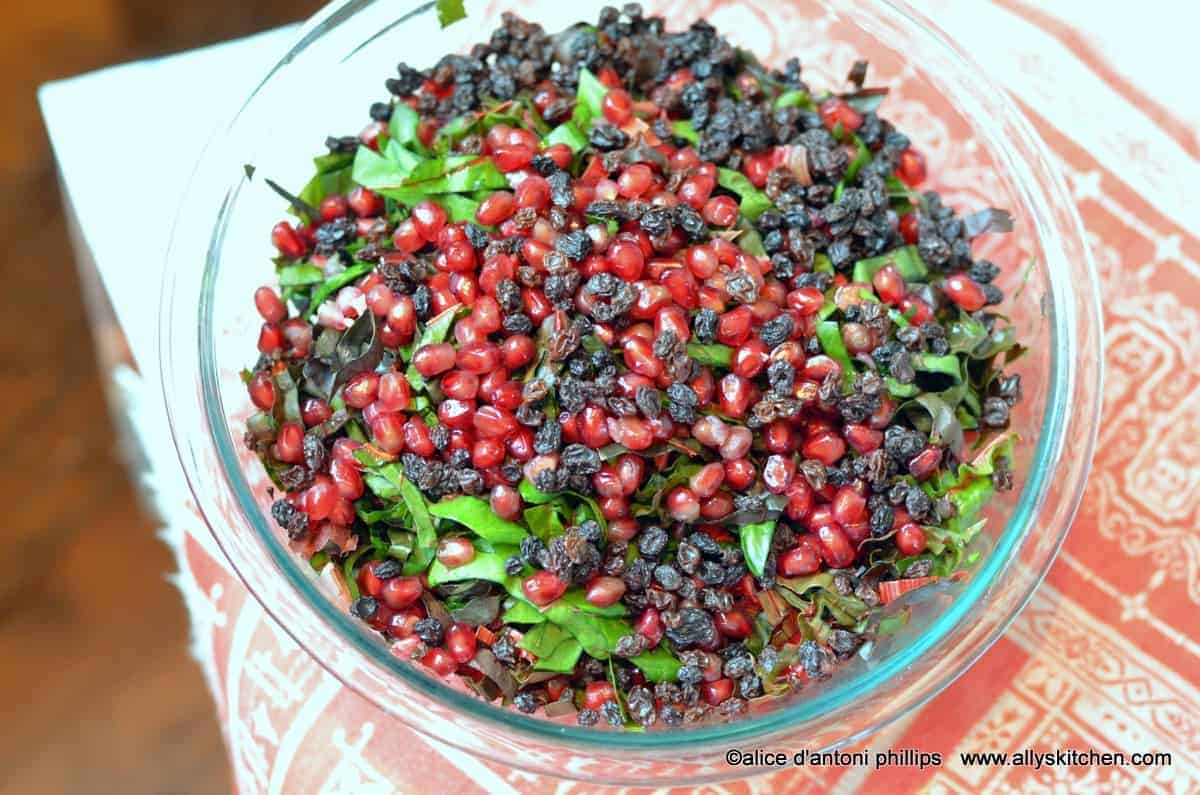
921	759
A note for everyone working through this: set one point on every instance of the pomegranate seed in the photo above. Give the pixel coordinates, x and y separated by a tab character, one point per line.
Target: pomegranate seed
683	504
334	207
750	359
639	357
460	642
925	463
837	111
605	591
863	438
428	217
889	284
626	260
543	587
708	480
460	385
737	444
361	390
416	437
394	392
504	500
649	625
597	694
400	592
800	500
606	482
824	446
617	106
314	411
835	547
456	414
778	473
630	469
717	507
733	624
493	423
802	560
512	158
633	433
440	662
964	291
269	305
270	338
778	437
533	193
430	360
733	395
911	167
710	431
908	228
288	240
718	692
289	444
347	478
623	529
614	507
455	551
407	237
848	506
720	211
733	328
910	539
320	498
262	390
517	351
365	202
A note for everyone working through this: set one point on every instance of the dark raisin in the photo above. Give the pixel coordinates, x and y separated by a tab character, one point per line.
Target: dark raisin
652	541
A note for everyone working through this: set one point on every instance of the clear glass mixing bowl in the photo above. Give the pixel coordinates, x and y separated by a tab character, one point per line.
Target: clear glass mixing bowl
981	152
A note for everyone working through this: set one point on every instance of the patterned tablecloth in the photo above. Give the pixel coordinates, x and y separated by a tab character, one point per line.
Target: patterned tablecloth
1106	656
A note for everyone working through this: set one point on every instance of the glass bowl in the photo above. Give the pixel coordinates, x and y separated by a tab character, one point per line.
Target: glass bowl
981	152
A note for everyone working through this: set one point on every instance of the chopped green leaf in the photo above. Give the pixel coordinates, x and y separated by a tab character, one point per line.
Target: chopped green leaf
476	515
299	275
543	521
861	158
942	424
756	544
829	334
794	98
906	259
373	170
684	129
589	96
402	129
658	664
567	133
555	649
484	566
335	283
522	612
754	202
712	355
450	11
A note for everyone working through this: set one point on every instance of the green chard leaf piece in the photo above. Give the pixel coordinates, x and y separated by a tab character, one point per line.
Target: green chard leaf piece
712	355
589	96
373	170
436	330
544	521
753	201
335	283
906	259
861	158
450	11
333	176
568	133
967	334
829	334
658	664
949	366
756	544
476	515
794	98
942	424
301	274
484	566
389	484
402	129
684	129
556	649
522	612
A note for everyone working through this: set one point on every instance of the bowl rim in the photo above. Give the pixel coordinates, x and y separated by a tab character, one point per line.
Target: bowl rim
180	347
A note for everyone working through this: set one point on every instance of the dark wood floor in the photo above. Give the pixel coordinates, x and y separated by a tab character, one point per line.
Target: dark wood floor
97	693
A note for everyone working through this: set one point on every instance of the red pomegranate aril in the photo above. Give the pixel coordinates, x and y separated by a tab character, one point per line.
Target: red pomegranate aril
863	438
320	498
733	327
512	158
402	316
606	483
614	507
333	207
388	433
520	445
428	217
683	505
710	431
455	551
779	437
440	662
696	190
965	292
848	506
364	202
347	478
289	444
857	338
457	414
314	411
733	395
517	351
718	692
716	507
720	211
269	305
733	624
806	300
400	592
925	463
750	358
406	236
605	591
623	529
496	208
543	587
838	111
533	193
394	392
597	694
802	560
262	390
911	167
368	582
617	106
635	180
778	472
835	547
800	500
288	241
493	423
460	385
416	437
736	444
270	338
630	469
639	357
824	446
889	284
910	539
916	310
708	480
626	260
433	359
909	230
460	642
478	357
649	625
360	391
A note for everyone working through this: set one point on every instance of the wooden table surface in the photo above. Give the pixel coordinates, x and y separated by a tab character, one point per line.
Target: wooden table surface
97	691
